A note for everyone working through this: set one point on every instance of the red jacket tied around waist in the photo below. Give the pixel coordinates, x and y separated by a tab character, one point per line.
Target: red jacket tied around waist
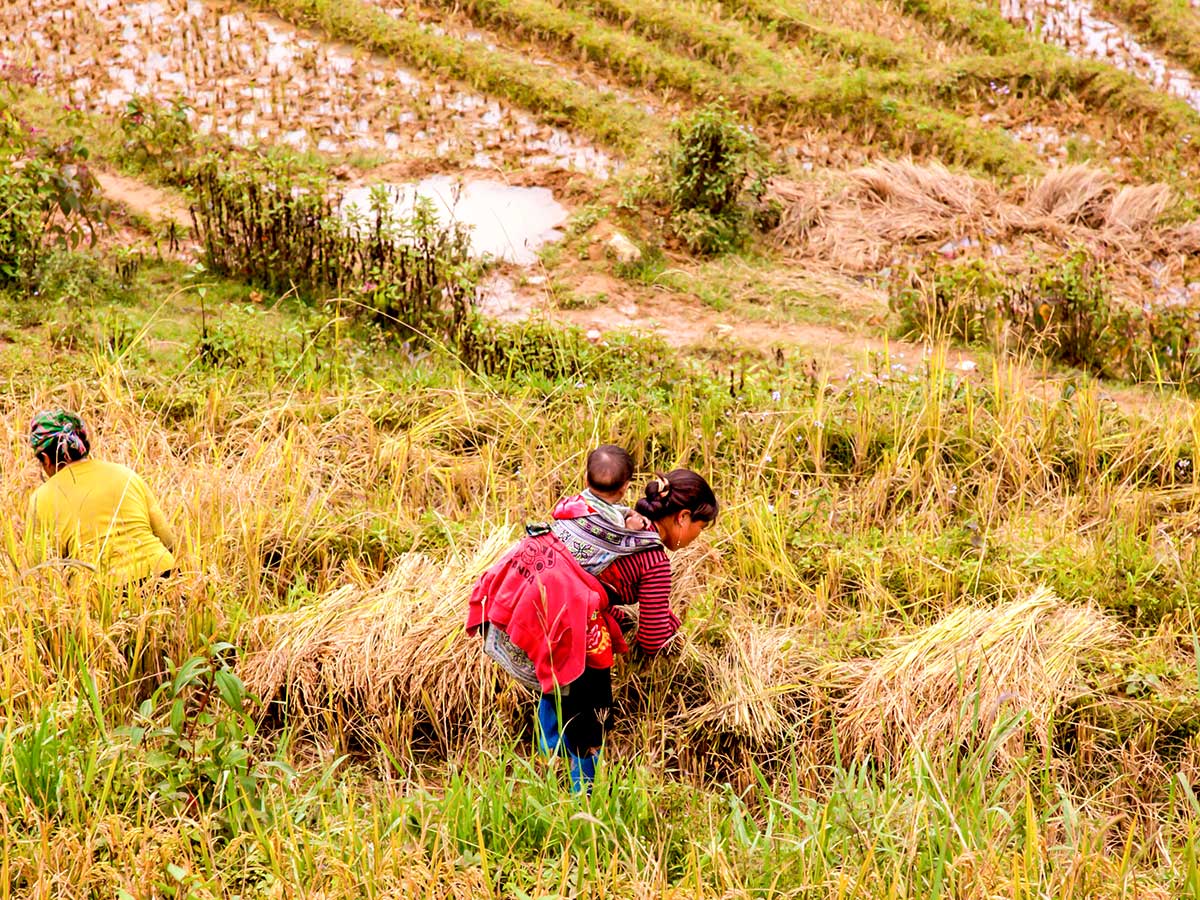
546	604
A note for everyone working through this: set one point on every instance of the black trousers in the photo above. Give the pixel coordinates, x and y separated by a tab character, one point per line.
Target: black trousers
585	711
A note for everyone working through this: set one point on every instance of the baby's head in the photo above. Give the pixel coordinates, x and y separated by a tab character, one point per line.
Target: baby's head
609	471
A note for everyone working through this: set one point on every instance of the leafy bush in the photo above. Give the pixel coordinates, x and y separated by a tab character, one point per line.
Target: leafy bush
271	227
159	137
953	302
48	196
73	277
717	174
1062	311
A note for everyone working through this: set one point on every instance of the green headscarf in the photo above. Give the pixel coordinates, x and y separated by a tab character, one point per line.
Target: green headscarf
59	434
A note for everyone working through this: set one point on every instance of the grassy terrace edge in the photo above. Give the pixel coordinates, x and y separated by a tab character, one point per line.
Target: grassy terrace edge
1013	50
851	99
1012	54
789	21
1174	25
610	121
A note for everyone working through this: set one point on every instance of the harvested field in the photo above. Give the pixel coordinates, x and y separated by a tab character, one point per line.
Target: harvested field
255	80
953	683
914	286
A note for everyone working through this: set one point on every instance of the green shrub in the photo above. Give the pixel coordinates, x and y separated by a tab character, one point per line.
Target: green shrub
717	174
953	302
1063	312
159	138
47	194
272	227
195	741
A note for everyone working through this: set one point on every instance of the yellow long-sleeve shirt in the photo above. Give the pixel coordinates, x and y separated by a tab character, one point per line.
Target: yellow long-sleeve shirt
102	513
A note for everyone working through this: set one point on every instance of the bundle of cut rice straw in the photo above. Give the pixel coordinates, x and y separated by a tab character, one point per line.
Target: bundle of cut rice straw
951	682
858	225
391	662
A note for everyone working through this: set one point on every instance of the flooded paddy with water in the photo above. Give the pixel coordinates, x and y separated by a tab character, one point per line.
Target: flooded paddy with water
1076	26
254	79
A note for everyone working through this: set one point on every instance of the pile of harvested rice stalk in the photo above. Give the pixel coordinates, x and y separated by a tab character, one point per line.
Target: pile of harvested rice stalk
758	686
859	224
949	683
388	664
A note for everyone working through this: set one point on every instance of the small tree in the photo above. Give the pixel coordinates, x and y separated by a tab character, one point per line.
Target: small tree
717	177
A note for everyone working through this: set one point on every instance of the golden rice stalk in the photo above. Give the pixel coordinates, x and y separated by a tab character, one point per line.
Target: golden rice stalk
1077	195
931	190
759	685
1138	207
393	657
884	204
949	683
803	208
1185	238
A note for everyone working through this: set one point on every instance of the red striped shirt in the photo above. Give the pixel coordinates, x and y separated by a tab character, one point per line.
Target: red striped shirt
645	579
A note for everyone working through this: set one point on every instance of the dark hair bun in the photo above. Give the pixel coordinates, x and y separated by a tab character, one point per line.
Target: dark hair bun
676	491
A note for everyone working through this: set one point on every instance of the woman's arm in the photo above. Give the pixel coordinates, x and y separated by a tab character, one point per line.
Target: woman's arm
158	522
646	579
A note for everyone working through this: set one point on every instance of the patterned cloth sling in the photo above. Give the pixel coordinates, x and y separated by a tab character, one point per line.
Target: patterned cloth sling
594	533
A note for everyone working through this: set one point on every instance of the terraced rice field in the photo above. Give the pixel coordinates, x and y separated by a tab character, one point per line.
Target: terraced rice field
257	80
941	640
529	82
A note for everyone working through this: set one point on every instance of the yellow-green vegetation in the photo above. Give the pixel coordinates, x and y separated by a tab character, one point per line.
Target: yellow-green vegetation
346	491
941	641
708	62
792	22
1046	70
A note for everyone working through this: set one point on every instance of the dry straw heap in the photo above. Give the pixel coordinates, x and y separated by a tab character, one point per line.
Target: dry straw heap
387	663
861	224
391	664
950	683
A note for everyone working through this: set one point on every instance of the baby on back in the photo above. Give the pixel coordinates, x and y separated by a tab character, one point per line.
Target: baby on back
609	471
594	524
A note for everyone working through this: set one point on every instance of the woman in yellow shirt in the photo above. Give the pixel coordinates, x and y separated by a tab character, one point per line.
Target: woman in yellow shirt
99	513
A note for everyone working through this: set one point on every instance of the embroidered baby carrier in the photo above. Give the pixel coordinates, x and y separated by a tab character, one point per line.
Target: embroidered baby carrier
594	533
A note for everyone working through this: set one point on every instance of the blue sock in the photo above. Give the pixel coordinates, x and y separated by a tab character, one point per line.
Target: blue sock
583	773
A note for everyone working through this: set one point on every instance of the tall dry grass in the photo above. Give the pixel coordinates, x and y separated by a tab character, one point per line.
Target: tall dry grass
333	533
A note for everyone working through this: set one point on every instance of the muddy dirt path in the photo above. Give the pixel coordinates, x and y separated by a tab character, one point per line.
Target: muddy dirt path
143	199
684	322
842	356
